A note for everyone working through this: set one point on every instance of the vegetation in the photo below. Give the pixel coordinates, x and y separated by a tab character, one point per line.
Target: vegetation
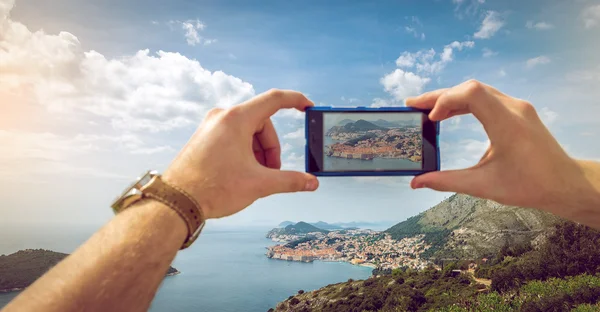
299	241
435	237
562	274
22	268
302	228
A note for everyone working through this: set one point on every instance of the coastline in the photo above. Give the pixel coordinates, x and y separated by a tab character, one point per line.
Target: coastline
304	260
332	156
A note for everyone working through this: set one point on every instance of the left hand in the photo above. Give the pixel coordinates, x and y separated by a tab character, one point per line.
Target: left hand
234	157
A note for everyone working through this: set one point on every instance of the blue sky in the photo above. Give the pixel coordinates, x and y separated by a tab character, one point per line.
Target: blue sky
89	101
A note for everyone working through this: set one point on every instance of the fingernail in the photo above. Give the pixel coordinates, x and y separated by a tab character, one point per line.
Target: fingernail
311	185
418	185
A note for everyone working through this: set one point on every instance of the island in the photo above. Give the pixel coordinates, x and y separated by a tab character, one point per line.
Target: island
22	268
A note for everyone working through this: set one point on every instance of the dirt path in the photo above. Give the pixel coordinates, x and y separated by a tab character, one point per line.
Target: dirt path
484	281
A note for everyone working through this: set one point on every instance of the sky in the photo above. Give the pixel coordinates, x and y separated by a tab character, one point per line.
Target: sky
93	93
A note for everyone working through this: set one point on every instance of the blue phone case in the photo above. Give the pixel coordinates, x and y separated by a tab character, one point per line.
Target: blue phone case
366	173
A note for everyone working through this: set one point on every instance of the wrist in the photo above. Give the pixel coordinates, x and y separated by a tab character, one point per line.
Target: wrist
154	215
195	187
580	197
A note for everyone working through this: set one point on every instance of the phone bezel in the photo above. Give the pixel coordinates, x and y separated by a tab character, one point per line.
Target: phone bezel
314	142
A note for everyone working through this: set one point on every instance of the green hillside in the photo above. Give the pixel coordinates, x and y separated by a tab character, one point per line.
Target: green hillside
561	274
22	268
302	228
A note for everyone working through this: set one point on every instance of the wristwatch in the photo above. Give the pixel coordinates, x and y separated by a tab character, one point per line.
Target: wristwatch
151	186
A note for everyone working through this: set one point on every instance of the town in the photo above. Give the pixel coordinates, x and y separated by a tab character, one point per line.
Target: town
402	143
360	247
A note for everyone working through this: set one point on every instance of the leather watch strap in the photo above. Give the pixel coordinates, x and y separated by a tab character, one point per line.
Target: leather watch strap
178	200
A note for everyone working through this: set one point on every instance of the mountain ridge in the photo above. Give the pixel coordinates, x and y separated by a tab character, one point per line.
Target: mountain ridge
467	227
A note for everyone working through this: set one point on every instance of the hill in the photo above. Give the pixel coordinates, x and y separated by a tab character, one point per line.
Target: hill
386	124
361	125
467	227
285	223
562	274
303	228
22	268
326	226
345	122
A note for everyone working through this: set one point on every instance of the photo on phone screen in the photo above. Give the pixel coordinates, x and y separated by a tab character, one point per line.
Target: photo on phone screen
370	141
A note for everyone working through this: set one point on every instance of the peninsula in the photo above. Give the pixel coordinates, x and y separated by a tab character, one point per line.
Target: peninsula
22	268
365	140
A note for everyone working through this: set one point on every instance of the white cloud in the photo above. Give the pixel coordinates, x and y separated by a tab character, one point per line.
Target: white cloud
461	45
462	154
44	154
589	76
192	28
286	148
490	25
502	73
414	32
408	60
413	29
538	25
144	91
591	16
293	162
298	134
290	113
488	52
470	8
548	116
379	102
540	60
424	62
401	84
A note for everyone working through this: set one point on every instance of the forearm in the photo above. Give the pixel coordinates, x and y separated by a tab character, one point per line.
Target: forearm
117	269
581	198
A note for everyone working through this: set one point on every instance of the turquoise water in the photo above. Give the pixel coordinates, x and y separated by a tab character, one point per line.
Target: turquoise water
342	164
223	271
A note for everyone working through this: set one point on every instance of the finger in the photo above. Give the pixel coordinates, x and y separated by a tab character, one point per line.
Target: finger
259	153
426	100
282	181
471	97
267	137
266	104
465	181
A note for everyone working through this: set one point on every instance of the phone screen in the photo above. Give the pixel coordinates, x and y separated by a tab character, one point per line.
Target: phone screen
372	141
360	142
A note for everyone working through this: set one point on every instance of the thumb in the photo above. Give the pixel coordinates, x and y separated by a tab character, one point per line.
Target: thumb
282	181
465	181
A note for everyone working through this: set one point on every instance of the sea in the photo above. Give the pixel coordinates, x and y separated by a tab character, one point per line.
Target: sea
343	164
225	270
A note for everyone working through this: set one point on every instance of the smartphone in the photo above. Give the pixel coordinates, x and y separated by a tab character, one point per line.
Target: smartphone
386	141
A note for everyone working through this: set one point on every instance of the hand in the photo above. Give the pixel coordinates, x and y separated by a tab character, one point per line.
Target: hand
523	166
234	158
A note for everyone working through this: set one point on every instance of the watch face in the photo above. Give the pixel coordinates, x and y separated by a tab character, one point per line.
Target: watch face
134	188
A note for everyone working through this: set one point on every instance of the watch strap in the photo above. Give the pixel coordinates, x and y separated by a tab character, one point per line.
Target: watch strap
178	200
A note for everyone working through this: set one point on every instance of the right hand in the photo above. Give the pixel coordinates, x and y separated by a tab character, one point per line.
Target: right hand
523	166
